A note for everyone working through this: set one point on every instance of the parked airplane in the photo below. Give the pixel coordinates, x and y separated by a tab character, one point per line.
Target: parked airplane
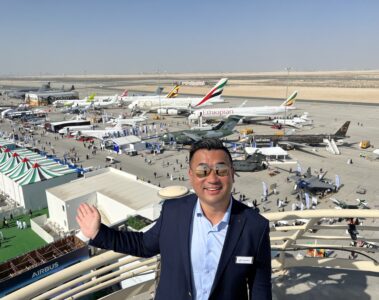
74	102
297	122
301	139
20	93
101	133
100	103
362	204
254	162
129	99
74	129
246	112
96	102
186	137
130	121
179	106
311	183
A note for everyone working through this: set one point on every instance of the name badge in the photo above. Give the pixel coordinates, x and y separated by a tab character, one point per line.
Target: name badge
244	260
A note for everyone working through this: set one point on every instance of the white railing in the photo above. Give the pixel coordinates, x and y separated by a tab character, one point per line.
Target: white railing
292	243
320	230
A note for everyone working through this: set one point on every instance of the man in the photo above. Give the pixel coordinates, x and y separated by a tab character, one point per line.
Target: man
211	246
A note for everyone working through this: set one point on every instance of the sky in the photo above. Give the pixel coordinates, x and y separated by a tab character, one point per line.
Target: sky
44	37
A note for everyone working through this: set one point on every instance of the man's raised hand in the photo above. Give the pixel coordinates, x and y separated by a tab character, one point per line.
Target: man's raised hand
88	218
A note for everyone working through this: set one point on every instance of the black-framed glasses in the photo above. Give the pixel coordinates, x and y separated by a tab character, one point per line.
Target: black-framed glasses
203	170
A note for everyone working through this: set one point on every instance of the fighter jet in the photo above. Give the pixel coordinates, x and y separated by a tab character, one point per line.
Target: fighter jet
362	204
311	183
20	93
187	137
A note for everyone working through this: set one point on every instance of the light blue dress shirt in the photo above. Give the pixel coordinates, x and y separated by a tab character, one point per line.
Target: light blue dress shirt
206	247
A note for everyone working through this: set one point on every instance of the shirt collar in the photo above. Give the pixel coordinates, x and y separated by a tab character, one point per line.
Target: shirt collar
199	211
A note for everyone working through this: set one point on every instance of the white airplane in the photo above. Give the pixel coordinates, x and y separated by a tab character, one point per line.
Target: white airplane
129	99
71	130
179	106
246	112
102	103
130	121
101	133
296	122
74	102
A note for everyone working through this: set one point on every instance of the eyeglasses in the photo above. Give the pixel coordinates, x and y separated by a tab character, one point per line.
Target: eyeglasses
202	171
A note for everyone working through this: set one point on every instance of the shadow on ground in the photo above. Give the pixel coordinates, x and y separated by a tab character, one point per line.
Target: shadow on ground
317	283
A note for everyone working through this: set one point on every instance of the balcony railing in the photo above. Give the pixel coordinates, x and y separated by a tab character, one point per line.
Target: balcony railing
316	231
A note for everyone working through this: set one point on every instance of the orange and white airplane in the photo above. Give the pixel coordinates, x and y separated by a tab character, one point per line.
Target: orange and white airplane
129	99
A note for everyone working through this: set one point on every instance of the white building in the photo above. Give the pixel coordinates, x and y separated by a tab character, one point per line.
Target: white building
115	193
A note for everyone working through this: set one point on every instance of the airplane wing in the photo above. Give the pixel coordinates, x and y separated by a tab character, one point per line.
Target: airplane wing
195	137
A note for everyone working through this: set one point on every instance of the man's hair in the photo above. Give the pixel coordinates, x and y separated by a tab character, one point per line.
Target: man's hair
209	144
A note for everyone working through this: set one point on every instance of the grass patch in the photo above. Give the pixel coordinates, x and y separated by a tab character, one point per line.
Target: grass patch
137	222
20	241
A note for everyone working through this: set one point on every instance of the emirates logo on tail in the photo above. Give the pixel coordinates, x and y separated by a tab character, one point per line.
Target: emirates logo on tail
216	91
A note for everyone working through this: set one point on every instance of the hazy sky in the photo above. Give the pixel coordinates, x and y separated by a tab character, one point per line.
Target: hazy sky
125	36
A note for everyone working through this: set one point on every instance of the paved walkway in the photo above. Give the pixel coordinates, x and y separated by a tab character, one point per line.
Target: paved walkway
316	283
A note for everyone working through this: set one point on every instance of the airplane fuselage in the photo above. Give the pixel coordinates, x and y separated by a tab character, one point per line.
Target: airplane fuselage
218	113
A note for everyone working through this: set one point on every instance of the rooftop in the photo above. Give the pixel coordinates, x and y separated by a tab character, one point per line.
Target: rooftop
118	185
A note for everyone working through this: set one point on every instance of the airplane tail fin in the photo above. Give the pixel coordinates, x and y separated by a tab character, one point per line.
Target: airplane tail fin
91	97
159	90
124	93
230	123
243	103
343	130
214	92
174	92
290	101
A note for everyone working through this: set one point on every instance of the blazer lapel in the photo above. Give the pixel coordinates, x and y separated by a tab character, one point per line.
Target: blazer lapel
236	224
186	221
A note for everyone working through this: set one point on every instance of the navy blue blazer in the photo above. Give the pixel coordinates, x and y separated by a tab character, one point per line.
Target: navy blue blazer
247	236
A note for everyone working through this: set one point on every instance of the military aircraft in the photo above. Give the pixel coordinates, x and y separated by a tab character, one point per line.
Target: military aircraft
20	93
186	137
301	140
362	204
254	162
311	183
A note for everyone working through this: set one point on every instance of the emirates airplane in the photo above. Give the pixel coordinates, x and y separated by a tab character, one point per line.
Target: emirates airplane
182	105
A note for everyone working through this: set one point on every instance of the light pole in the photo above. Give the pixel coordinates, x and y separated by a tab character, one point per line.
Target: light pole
288	69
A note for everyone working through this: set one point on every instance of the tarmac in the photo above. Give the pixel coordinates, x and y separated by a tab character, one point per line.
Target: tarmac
301	283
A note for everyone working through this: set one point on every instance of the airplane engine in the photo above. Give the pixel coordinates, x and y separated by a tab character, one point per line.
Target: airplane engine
172	112
162	111
168	111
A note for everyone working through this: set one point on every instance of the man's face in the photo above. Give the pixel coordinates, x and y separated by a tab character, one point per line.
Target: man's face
212	189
